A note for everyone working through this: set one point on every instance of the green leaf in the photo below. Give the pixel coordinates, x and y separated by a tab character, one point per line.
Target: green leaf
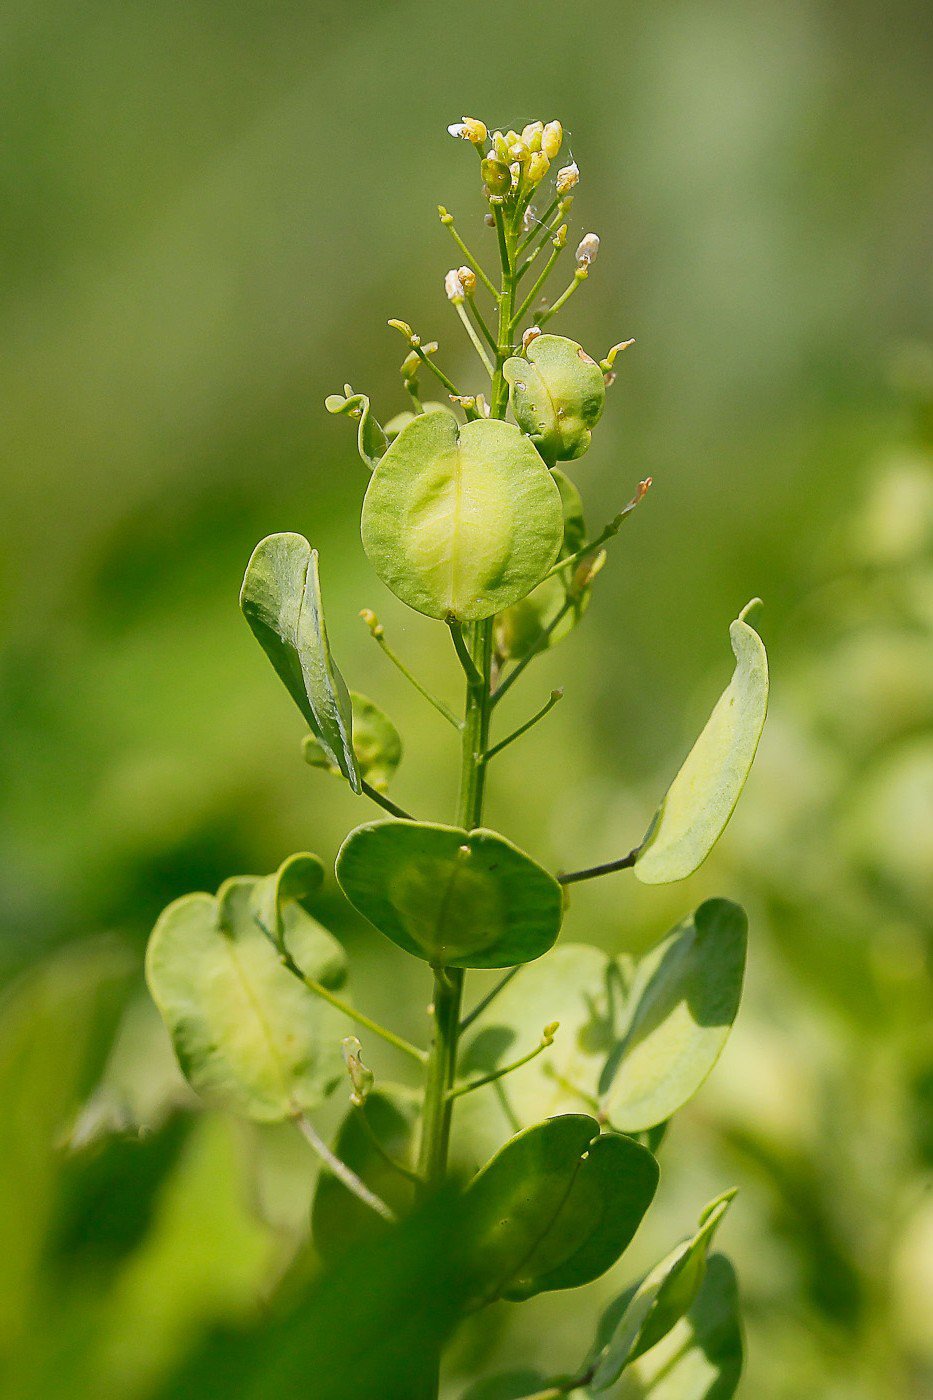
402	420
338	1218
247	1033
684	1000
557	394
577	986
461	522
376	744
371	438
281	601
555	1208
701	1358
523	628
452	897
702	798
297	878
660	1300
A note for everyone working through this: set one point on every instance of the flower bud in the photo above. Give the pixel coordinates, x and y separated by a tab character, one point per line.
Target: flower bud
453	286
519	151
372	621
587	249
551	139
531	135
549	1032
500	146
496	176
531	334
362	1078
467	280
567	177
469	129
538	167
516	172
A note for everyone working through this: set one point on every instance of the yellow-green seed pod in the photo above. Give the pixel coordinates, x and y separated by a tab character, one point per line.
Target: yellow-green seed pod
558	394
496	176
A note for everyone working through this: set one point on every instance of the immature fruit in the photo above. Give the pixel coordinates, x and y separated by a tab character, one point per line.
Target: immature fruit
558	394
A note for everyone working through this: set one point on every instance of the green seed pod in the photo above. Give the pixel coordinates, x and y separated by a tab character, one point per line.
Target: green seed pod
496	176
558	394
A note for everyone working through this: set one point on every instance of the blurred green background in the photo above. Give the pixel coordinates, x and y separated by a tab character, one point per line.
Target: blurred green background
209	213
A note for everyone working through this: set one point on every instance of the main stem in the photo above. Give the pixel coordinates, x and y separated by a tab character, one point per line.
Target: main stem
437	1110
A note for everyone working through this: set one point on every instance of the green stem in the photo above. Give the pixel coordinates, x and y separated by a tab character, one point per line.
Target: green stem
532	296
340	1169
513	676
387	1157
475	341
472	260
579	276
489	998
385	803
399	664
610	531
448	384
593	871
545	709
491	1078
359	1017
470	669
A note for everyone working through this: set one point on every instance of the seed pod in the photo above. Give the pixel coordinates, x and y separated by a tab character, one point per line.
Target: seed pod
558	394
496	176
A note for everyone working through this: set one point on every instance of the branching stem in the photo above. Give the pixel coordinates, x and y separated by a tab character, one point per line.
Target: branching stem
545	1044
545	709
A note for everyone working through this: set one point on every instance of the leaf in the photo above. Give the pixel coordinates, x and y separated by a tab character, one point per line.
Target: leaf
366	1329
461	522
297	878
281	601
247	1033
577	986
402	420
338	1218
376	744
558	393
685	998
555	1208
523	628
452	897
701	1358
371	439
660	1299
702	798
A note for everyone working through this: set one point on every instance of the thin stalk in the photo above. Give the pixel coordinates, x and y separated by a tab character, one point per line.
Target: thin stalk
472	260
592	872
512	677
461	1089
340	1169
385	803
448	384
533	233
359	1017
610	531
475	341
412	679
480	319
489	998
470	669
545	709
579	276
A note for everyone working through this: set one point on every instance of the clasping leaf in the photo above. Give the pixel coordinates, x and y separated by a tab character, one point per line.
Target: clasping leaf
281	601
455	898
461	522
701	799
555	1208
371	438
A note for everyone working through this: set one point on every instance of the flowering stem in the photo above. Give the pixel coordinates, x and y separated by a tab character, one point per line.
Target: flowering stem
536	289
579	276
448	222
541	223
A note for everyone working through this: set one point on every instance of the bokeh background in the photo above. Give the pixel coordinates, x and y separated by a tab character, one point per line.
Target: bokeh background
209	213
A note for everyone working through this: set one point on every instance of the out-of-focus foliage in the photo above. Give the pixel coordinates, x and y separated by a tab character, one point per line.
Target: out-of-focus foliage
204	216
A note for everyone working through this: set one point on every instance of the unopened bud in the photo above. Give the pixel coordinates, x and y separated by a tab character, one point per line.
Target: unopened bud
500	145
567	177
404	329
531	135
538	167
464	400
372	622
519	151
587	250
469	129
445	216
551	139
496	176
585	573
467	279
453	286
560	237
531	334
550	1030
515	170
529	219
